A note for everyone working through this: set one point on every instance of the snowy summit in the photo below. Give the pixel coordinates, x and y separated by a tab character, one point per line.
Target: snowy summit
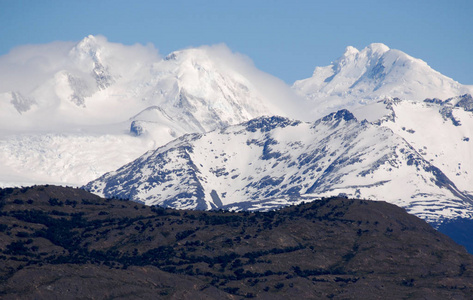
375	73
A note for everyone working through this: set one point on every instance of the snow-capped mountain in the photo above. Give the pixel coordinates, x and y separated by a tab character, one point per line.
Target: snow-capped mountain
392	89
271	161
374	73
70	112
75	104
98	82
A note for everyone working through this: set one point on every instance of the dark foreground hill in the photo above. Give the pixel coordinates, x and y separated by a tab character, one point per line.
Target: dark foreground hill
64	243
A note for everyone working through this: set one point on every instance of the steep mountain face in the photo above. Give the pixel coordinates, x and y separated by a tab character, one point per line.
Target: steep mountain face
272	161
374	73
78	104
440	131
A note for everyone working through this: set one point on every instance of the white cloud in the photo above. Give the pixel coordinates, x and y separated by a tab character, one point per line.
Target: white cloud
279	94
25	67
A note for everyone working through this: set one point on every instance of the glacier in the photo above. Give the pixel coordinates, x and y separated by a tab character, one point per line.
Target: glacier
92	106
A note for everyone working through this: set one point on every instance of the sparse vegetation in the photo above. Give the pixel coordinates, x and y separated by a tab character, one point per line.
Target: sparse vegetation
328	248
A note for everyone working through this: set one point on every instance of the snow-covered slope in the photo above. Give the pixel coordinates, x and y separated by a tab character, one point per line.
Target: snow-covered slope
374	73
71	105
270	161
441	131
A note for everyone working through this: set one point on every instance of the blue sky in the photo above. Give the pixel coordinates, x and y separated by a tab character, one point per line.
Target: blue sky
284	38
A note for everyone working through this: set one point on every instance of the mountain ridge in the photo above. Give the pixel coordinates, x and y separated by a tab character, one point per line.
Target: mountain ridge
278	159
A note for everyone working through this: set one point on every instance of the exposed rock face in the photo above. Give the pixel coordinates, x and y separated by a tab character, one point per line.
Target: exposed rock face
465	102
21	103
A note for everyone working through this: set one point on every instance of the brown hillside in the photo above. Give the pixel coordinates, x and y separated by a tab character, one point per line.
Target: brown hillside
65	243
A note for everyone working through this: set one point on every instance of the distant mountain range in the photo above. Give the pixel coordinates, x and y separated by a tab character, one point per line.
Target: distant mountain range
269	161
388	127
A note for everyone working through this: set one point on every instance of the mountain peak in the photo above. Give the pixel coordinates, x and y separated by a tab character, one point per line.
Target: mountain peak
377	48
374	49
88	46
193	55
183	54
339	115
88	40
374	73
350	51
266	123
